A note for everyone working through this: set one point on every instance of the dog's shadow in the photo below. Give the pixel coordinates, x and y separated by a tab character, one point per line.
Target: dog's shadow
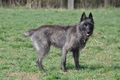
84	67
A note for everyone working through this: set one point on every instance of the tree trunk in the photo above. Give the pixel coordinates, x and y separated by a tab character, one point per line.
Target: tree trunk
106	3
48	3
70	4
17	2
39	3
0	2
34	5
114	3
29	4
11	3
61	3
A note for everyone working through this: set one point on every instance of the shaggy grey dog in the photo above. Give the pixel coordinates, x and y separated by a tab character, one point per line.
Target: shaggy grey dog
65	37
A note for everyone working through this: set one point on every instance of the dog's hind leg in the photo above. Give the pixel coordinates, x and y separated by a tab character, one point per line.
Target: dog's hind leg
64	52
39	61
76	58
43	49
41	55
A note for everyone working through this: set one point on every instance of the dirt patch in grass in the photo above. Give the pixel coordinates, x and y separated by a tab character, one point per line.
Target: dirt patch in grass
32	76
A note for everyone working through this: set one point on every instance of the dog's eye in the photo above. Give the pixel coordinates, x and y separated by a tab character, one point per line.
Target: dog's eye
85	25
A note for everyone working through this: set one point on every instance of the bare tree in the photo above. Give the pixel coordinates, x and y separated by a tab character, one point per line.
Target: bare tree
114	3
0	2
29	4
39	3
11	3
17	3
106	3
34	4
48	3
71	4
61	4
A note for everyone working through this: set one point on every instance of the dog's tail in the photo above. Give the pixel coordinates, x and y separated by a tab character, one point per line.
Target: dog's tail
29	32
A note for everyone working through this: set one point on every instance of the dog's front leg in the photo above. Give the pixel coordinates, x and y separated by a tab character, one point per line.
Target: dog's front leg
64	52
76	58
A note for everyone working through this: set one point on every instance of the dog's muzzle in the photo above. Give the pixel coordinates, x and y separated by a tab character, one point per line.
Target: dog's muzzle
88	32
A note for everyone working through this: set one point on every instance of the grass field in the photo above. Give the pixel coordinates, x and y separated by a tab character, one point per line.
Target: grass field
100	59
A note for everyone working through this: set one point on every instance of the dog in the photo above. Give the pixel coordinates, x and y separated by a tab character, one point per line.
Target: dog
71	38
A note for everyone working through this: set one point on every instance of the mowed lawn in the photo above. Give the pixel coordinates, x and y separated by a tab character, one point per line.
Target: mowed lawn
99	60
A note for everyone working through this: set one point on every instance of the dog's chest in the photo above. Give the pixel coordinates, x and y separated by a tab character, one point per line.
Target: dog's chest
80	43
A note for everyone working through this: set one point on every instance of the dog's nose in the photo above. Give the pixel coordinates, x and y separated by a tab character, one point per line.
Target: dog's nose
88	31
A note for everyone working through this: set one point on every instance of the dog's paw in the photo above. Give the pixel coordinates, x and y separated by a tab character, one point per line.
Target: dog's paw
65	70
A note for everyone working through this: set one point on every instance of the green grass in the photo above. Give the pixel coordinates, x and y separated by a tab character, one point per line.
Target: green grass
100	59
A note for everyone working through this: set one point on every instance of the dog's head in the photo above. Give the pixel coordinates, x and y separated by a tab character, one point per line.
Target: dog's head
86	24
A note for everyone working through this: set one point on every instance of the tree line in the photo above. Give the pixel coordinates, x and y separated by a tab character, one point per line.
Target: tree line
70	4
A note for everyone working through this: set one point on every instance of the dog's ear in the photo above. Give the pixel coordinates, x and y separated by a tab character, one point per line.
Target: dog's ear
83	16
91	16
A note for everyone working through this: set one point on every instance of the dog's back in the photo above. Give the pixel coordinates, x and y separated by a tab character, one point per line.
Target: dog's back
55	34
